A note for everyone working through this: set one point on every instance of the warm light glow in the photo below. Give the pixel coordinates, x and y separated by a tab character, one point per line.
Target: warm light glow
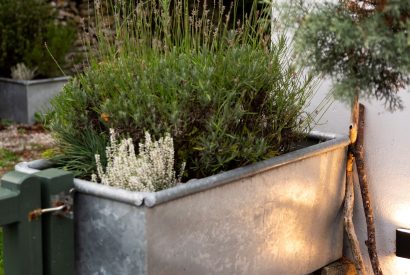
296	245
396	265
401	215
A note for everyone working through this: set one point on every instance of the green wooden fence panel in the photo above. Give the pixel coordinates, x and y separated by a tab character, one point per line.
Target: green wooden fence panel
37	244
20	194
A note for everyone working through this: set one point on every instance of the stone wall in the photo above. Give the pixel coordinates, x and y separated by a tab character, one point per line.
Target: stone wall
79	13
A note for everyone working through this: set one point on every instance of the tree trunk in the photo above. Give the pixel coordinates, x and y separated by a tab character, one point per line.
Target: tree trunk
358	151
349	197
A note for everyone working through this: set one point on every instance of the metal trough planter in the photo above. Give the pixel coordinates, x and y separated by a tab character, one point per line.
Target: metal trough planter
21	99
279	216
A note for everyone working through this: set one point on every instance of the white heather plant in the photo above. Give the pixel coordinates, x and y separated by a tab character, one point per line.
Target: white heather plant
151	170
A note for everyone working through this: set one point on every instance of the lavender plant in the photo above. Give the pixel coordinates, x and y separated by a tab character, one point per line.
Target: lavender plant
209	77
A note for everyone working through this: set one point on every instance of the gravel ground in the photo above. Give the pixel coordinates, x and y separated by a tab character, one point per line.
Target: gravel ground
22	143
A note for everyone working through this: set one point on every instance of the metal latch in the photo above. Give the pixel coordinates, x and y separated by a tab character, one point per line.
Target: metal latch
62	205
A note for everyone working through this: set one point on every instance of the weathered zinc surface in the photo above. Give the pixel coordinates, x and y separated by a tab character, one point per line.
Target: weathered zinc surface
117	248
21	99
280	216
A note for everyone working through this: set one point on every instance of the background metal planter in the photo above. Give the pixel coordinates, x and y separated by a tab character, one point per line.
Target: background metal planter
21	99
280	216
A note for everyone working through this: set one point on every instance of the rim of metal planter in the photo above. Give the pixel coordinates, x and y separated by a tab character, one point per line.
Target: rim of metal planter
36	81
150	199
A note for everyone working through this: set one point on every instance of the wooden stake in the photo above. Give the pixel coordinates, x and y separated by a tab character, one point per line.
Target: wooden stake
348	217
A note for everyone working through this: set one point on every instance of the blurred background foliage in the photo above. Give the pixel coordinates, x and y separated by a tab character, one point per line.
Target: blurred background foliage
26	26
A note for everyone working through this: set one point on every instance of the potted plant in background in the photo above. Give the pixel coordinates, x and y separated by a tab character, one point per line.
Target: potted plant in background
364	47
32	48
206	91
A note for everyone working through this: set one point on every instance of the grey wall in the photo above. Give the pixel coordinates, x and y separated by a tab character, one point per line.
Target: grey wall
387	149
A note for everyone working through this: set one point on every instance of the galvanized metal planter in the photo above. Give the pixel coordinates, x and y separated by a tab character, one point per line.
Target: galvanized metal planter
279	216
21	99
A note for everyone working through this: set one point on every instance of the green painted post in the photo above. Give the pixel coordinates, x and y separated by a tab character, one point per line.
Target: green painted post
19	194
35	243
58	228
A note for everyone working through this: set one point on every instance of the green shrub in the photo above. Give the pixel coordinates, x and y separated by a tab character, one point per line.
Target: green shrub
363	47
25	27
227	97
